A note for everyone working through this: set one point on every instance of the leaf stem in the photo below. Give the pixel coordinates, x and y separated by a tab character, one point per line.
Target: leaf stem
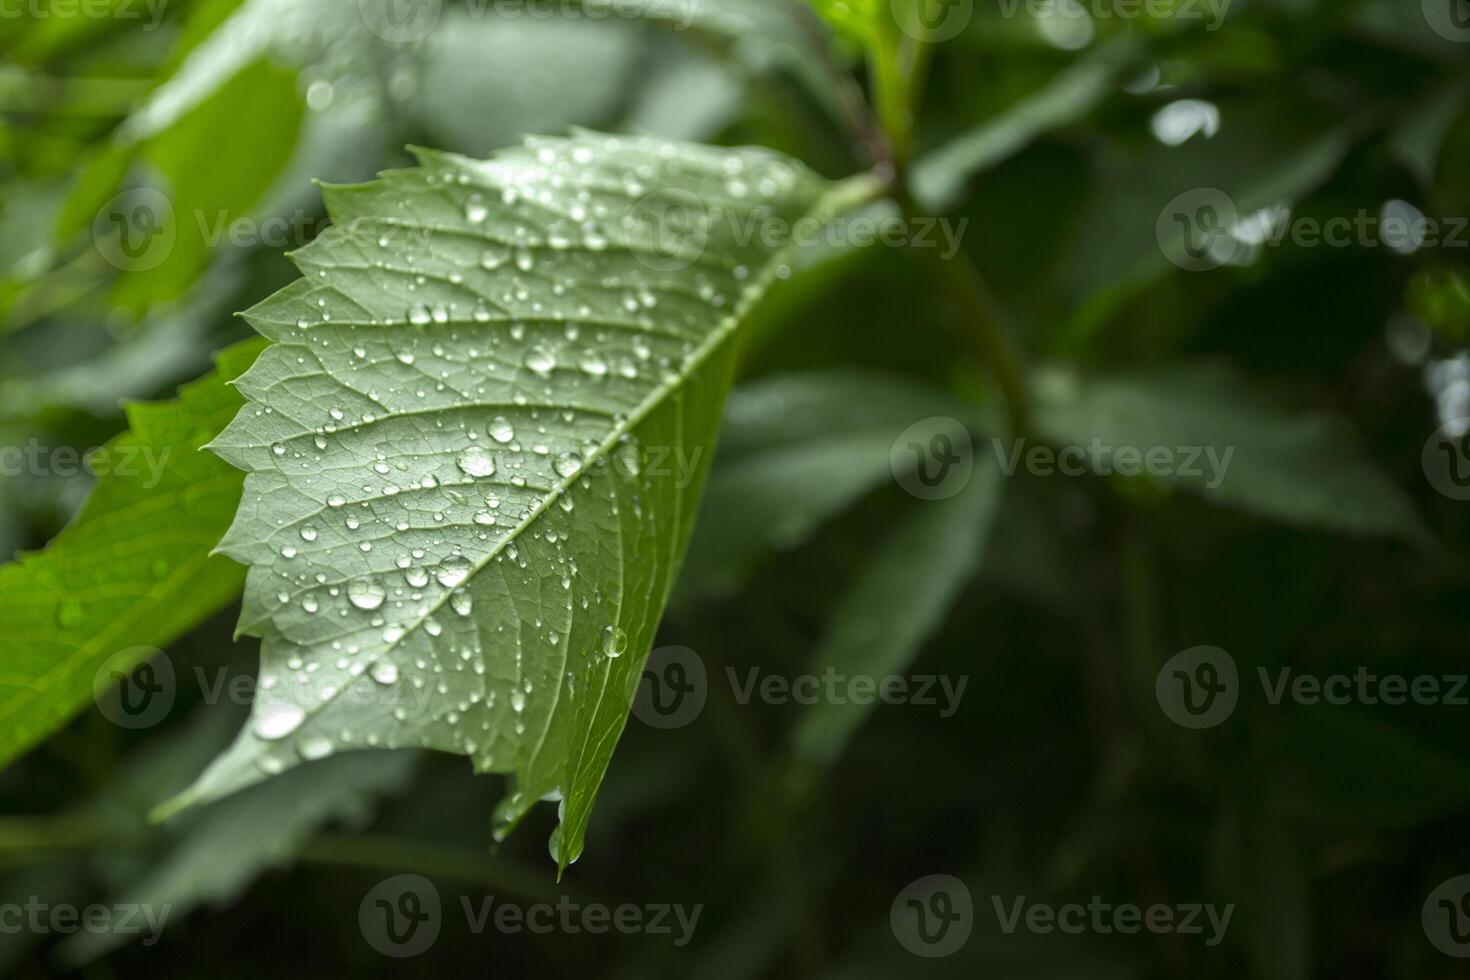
981	325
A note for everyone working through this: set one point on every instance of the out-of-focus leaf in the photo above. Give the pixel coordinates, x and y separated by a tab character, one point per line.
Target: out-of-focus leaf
222	849
1342	768
688	98
217	164
939	178
460	498
133	570
1261	870
1257	162
897	600
546	75
763	36
795	451
1229	445
1417	138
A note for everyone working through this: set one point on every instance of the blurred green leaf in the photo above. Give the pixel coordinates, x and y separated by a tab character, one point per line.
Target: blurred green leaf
898	599
796	450
1229	445
134	570
265	828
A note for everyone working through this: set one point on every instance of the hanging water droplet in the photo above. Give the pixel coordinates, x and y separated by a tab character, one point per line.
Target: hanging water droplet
278	719
314	748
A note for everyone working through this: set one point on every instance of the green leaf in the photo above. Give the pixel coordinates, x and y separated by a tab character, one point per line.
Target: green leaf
546	74
461	518
858	21
1263	872
798	449
133	570
760	36
1306	470
900	597
1348	768
264	827
939	178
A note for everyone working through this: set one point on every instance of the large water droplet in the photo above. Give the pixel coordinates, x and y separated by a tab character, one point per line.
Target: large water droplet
501	430
453	571
476	462
277	720
365	593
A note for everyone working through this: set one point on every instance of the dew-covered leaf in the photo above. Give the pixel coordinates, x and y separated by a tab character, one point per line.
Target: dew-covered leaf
461	518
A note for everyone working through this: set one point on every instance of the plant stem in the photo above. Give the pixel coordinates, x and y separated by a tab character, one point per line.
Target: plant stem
981	326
